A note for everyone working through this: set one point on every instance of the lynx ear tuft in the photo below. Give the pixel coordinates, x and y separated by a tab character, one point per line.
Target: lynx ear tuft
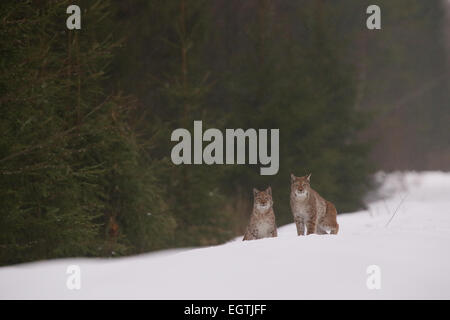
308	177
269	190
255	191
292	177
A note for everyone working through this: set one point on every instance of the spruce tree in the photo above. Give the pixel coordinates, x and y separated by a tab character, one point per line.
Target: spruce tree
71	174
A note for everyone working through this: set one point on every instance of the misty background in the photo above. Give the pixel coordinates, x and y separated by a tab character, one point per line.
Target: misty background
86	115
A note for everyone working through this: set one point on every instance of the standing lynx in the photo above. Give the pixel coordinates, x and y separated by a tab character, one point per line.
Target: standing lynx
310	209
262	221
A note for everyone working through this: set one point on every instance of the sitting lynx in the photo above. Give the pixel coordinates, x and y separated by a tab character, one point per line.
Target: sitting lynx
310	209
262	221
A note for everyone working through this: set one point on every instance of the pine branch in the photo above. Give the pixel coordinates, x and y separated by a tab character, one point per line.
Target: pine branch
56	137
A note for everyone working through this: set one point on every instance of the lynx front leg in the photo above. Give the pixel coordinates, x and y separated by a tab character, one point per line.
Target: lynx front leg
300	224
311	226
249	235
274	233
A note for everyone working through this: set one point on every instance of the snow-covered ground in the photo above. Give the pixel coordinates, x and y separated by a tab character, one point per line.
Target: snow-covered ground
412	252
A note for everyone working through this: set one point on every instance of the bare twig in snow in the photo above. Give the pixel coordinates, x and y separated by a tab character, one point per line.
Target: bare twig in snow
398	207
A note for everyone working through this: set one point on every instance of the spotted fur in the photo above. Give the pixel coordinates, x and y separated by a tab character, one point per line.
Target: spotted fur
311	212
262	221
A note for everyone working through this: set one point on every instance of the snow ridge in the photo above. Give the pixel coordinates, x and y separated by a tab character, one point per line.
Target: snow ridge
412	253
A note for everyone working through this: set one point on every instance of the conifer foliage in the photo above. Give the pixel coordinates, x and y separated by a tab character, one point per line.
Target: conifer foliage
72	180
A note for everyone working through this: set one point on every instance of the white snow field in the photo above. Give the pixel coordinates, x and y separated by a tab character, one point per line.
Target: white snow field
412	253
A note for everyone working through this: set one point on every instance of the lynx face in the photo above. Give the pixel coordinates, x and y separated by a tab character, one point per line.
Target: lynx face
300	186
263	199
